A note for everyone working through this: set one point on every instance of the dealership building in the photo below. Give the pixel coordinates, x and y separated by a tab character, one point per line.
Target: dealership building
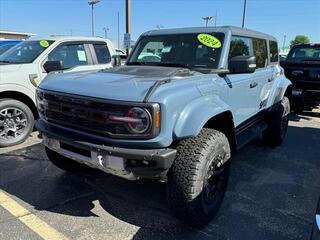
14	35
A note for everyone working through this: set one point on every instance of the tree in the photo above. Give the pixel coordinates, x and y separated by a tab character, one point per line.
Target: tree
299	39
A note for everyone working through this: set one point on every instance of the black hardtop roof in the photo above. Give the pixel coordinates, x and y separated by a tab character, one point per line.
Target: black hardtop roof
234	31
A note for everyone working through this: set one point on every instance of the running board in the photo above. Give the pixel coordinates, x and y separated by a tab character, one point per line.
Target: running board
250	133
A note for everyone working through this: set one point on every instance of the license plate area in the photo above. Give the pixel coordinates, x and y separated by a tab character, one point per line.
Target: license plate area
94	157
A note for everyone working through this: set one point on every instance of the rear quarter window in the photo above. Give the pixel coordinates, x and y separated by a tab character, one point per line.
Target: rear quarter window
102	53
274	55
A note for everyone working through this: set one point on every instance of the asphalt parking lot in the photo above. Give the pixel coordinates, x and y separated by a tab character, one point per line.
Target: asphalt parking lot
272	195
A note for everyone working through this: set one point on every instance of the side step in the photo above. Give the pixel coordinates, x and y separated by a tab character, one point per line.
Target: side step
250	133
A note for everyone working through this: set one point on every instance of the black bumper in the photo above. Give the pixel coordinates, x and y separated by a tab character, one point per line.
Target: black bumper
157	160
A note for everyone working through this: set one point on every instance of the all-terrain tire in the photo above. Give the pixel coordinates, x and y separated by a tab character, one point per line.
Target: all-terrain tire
14	115
193	195
66	164
277	124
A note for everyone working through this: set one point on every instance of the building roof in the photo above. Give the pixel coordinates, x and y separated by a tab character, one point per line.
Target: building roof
16	33
234	30
63	37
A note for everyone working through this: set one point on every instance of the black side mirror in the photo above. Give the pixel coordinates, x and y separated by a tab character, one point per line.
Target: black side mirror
242	64
115	60
51	66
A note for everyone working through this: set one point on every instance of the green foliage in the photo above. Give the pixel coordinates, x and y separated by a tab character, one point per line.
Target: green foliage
299	39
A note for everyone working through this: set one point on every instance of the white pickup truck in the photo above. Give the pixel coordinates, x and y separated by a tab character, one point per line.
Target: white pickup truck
24	66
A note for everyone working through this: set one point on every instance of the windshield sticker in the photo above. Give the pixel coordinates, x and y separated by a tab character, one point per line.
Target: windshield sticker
44	43
81	56
209	40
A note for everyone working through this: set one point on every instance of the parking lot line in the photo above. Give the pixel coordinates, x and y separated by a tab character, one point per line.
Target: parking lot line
29	219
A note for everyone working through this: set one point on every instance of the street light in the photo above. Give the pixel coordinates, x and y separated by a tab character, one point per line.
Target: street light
92	3
207	19
106	29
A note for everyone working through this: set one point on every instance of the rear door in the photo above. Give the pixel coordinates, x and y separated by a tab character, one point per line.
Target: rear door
101	55
262	78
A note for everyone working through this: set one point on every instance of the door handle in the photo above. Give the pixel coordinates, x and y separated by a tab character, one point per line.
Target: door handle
253	84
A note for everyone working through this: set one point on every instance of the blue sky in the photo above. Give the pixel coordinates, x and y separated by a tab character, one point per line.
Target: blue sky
44	17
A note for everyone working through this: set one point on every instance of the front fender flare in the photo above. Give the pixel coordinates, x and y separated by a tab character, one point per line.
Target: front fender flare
196	114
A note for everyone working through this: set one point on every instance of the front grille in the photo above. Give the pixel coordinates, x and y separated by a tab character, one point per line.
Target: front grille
82	113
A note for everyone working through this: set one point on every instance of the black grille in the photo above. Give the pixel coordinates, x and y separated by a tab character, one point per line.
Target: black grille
81	113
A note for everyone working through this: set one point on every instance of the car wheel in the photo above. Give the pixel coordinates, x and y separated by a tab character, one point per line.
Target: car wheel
65	163
16	122
199	176
278	122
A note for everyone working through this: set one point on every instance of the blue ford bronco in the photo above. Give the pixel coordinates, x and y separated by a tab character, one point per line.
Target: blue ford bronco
184	102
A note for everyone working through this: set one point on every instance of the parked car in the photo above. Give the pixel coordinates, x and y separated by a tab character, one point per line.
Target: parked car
283	56
5	45
302	67
24	66
315	235
175	120
121	53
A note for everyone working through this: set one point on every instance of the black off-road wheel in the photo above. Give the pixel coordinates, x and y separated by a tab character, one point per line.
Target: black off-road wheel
278	121
67	164
199	177
16	122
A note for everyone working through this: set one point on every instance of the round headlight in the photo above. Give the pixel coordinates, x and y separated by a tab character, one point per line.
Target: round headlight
140	120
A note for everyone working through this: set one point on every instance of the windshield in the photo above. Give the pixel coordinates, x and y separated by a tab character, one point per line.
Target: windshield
305	53
25	52
180	50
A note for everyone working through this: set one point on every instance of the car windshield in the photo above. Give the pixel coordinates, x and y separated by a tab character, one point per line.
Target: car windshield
179	50
25	52
305	53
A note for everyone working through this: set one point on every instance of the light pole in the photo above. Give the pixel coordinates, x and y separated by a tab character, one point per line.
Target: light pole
92	3
106	29
244	13
207	19
284	42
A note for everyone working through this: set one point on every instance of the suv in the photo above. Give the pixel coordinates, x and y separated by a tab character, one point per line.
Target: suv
302	67
175	117
25	65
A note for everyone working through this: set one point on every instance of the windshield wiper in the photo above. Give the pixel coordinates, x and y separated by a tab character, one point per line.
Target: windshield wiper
164	64
135	63
4	61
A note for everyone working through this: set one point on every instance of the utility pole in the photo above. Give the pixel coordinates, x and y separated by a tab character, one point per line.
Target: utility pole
128	25
284	42
207	19
244	13
106	29
92	3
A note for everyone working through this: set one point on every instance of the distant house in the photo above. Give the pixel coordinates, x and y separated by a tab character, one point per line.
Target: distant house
14	35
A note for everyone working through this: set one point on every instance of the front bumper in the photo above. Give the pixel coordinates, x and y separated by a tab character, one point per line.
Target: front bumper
124	162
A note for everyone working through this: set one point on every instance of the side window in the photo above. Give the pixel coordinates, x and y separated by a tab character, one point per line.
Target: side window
102	53
72	55
260	51
239	46
274	55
